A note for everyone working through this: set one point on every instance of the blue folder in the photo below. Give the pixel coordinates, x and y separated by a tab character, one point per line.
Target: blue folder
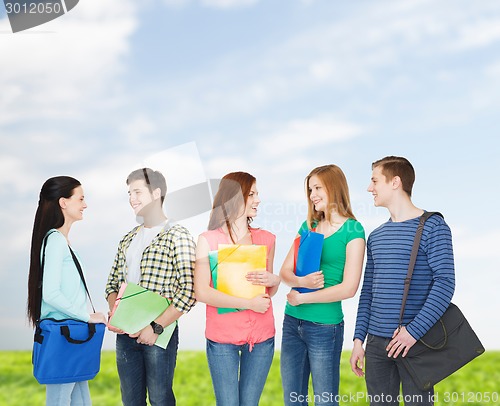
309	255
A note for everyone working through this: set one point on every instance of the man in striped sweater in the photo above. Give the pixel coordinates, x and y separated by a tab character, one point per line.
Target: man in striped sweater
432	286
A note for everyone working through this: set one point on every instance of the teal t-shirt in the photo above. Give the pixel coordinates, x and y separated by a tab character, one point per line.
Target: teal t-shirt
332	264
63	293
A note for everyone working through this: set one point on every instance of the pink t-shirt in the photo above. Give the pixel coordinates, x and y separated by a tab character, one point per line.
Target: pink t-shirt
246	326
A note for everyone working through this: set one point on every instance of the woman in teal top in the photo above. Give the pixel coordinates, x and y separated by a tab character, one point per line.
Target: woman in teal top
313	327
62	295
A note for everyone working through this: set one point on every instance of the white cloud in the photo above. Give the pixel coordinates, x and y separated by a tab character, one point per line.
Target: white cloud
217	4
344	54
54	71
181	166
137	128
279	153
493	70
176	3
310	134
13	166
217	167
226	4
480	247
478	34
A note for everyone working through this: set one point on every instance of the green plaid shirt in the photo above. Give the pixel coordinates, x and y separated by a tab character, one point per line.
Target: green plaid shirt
167	266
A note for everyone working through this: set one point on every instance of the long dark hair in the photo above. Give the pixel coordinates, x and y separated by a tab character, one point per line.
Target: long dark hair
232	195
48	215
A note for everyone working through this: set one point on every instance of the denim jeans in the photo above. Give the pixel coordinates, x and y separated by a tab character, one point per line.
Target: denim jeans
142	367
385	376
238	374
310	349
68	394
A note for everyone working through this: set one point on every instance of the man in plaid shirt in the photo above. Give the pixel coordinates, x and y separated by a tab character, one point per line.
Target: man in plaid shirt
160	257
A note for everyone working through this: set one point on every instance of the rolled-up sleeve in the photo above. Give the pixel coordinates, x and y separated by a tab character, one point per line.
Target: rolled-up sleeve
183	261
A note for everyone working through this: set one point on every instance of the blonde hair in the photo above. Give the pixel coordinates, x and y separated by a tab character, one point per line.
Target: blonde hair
335	184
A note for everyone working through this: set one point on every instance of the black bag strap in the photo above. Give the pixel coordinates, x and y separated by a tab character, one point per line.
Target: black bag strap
77	263
66	333
413	258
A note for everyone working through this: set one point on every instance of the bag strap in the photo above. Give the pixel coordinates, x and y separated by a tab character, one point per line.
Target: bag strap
413	258
66	333
77	263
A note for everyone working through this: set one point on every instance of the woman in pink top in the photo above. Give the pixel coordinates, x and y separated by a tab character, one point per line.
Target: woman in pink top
240	344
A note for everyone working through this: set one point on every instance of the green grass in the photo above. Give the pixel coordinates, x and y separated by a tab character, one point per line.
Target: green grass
470	386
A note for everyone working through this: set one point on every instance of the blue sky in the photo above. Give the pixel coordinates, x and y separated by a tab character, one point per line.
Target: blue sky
272	87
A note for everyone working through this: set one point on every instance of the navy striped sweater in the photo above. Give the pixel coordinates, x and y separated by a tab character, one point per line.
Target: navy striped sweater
432	285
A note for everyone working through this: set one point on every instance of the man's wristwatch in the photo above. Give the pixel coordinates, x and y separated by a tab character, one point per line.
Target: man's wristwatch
157	328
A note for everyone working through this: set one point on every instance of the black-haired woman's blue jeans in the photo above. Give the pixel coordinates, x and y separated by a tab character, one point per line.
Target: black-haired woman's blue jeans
384	377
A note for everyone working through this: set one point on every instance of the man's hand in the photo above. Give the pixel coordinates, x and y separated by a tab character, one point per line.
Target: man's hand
401	341
146	336
358	358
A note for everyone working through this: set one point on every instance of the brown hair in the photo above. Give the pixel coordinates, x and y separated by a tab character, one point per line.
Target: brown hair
397	166
233	192
153	179
335	183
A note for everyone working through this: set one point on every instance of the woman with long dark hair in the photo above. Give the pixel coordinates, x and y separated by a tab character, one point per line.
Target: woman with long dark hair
62	294
240	345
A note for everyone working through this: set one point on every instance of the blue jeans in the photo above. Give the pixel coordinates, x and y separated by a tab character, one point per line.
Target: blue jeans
238	374
142	367
66	394
309	348
385	376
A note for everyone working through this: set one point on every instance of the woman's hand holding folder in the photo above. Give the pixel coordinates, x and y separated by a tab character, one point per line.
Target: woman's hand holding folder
260	303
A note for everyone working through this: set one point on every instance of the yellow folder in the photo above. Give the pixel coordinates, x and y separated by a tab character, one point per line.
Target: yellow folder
136	307
234	262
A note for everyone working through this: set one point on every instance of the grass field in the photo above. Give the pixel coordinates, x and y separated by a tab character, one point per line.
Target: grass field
476	384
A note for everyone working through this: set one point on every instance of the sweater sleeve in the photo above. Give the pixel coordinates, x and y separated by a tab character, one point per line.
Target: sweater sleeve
55	291
365	299
439	250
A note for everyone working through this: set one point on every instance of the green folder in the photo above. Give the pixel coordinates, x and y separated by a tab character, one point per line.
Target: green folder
214	260
136	307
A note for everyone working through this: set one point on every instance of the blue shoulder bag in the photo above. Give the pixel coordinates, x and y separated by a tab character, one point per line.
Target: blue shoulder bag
66	350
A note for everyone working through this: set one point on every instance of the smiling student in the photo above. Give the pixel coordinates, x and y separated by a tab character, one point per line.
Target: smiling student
313	327
158	256
62	294
388	255
240	345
